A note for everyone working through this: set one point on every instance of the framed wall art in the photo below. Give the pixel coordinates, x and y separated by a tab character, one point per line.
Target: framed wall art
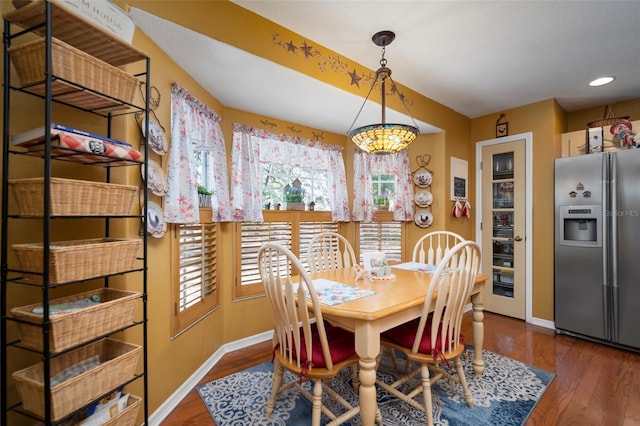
502	127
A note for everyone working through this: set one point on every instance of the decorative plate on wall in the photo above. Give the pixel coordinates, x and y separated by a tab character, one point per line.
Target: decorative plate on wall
157	179
422	178
423	198
423	218
157	139
155	220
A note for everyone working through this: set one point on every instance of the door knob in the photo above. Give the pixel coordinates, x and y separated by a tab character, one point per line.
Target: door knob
518	238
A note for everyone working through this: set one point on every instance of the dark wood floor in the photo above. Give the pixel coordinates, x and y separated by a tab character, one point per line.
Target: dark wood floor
594	384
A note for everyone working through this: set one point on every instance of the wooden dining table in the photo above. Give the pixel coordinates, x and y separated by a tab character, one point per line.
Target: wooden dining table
394	302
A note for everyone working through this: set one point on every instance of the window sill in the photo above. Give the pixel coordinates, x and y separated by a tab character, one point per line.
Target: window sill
206	214
284	215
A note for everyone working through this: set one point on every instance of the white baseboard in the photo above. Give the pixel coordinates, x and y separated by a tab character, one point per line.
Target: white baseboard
535	321
543	323
172	402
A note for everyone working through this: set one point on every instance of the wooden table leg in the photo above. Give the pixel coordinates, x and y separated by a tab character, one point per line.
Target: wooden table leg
477	300
367	338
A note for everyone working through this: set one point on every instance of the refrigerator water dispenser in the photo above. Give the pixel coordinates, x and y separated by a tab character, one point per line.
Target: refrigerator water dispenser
580	226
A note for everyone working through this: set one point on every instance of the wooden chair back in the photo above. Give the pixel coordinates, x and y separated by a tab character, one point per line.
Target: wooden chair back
432	247
287	286
330	250
451	285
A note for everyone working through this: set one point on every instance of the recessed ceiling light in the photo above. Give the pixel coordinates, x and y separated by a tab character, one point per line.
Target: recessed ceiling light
601	81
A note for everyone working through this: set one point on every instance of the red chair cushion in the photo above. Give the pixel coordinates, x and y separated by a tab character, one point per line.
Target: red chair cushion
341	345
405	335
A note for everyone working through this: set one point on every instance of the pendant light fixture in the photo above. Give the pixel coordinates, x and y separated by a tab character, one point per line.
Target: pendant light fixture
383	137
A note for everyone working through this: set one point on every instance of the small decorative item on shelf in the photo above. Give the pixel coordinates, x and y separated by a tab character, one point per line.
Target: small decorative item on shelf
382	204
622	129
204	196
362	274
294	196
375	263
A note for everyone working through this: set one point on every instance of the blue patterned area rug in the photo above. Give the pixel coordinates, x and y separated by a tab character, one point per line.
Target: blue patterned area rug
505	395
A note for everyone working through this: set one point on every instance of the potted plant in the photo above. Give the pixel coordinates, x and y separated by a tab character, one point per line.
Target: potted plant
204	196
294	201
294	196
382	204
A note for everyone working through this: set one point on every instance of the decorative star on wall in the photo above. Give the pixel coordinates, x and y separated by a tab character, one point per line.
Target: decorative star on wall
291	47
355	78
307	50
332	62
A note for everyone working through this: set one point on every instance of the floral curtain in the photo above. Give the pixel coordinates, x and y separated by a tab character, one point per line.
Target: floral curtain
252	146
195	134
364	166
246	198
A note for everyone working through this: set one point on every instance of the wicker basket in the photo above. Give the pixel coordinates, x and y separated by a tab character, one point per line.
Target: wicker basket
608	119
118	361
115	310
71	197
128	416
79	259
72	65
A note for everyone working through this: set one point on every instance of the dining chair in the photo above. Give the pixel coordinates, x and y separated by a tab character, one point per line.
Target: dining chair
434	340
330	250
432	247
304	343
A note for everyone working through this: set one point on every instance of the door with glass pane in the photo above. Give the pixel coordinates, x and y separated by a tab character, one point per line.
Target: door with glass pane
503	227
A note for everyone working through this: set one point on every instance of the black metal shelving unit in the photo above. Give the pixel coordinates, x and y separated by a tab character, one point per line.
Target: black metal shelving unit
50	20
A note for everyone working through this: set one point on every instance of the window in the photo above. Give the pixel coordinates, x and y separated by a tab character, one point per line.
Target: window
204	169
382	181
384	190
384	236
196	292
263	163
198	159
291	229
314	183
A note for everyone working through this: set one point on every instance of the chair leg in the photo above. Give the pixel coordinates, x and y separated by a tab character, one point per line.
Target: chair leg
317	403
426	393
355	379
379	417
463	381
276	382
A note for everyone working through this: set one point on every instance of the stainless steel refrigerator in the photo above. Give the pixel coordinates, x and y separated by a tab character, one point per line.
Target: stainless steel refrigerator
597	247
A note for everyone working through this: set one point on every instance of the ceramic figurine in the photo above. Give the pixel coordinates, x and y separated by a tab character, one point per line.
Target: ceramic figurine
622	129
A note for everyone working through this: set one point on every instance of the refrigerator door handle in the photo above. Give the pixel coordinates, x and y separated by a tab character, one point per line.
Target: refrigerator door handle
613	239
606	244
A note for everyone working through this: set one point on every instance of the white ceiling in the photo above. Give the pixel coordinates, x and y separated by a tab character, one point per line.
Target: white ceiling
476	57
